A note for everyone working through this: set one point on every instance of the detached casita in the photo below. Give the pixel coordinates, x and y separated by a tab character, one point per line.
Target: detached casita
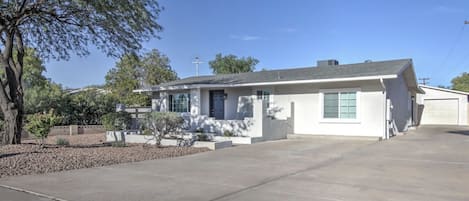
371	99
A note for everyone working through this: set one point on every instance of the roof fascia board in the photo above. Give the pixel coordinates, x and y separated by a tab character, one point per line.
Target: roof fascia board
182	87
445	90
321	80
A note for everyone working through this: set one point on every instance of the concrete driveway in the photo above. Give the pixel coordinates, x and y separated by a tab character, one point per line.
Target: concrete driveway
431	163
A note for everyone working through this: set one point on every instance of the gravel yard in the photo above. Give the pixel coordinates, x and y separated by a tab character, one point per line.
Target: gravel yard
84	151
84	139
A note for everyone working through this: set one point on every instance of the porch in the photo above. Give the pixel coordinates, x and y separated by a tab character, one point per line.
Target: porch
241	111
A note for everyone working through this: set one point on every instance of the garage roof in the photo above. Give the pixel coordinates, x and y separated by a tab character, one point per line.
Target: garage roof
446	90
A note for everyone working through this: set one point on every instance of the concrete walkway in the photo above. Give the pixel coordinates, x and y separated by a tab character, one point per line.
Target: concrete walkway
431	163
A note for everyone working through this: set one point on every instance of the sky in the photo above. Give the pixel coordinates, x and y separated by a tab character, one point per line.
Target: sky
297	33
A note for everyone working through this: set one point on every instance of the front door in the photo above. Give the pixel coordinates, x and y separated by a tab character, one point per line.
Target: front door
217	104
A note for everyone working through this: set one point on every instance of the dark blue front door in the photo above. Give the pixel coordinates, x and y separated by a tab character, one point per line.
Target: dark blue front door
217	104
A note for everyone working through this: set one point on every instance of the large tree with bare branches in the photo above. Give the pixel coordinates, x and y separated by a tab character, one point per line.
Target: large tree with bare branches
58	28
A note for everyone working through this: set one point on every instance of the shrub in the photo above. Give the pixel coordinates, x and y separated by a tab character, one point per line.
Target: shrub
163	123
118	144
40	124
146	132
116	121
62	141
203	137
228	133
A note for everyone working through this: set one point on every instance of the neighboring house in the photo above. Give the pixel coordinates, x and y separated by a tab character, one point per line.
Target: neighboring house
372	99
443	106
79	90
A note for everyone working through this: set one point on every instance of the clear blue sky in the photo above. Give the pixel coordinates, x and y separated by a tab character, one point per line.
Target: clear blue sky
293	33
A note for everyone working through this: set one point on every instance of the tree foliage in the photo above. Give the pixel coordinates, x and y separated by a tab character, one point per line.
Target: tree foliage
40	94
461	82
115	121
163	123
86	107
42	98
232	64
156	68
134	71
58	28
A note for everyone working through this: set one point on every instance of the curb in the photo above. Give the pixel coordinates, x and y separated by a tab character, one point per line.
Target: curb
32	193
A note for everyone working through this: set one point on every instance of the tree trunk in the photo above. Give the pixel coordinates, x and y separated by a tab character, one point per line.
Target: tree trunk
11	90
13	126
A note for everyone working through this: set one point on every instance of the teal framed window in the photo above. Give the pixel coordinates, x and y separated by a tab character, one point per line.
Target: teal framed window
340	105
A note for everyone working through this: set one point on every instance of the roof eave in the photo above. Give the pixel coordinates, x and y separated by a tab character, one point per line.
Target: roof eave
445	90
194	86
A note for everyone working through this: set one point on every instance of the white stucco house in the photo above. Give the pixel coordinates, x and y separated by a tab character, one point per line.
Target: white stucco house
439	106
371	99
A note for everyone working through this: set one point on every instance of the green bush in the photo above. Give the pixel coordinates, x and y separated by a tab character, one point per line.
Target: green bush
116	121
40	124
118	144
203	137
163	123
228	133
146	132
62	141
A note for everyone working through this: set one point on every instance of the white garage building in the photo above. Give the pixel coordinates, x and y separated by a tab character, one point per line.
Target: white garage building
439	106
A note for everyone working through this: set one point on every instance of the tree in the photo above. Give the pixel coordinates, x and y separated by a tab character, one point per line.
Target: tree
461	82
134	71
33	69
42	98
125	78
232	64
40	124
58	28
156	68
163	123
87	107
40	94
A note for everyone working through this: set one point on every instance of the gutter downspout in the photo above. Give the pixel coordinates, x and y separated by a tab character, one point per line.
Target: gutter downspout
385	104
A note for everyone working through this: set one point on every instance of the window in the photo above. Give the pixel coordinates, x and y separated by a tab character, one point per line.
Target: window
180	102
264	95
340	105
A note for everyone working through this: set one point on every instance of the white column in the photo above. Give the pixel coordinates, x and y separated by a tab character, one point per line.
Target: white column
195	102
258	115
164	102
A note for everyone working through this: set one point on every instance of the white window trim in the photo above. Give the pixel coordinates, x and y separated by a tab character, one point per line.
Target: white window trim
189	106
339	120
271	95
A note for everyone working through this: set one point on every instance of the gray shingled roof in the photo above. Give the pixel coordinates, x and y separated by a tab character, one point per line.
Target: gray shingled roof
378	68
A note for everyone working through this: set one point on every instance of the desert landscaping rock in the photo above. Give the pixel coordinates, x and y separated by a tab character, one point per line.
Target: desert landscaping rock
85	151
84	139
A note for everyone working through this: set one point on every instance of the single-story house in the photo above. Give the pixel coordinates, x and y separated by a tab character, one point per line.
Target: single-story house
369	99
443	106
